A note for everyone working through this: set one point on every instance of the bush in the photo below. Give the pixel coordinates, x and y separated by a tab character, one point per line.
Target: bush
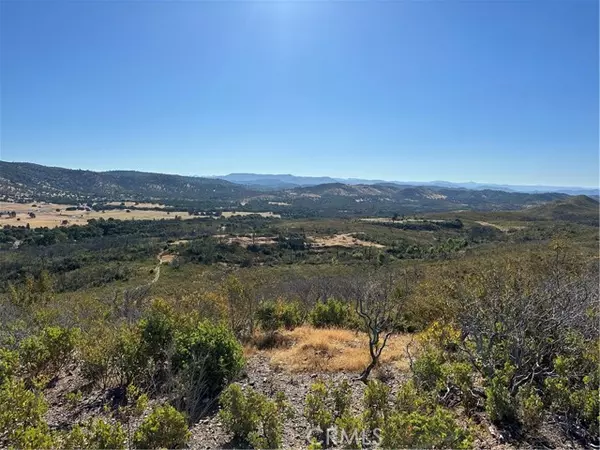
499	404
436	429
252	418
342	398
409	399
333	313
22	417
530	407
273	315
211	352
376	405
104	435
350	429
49	351
316	409
9	363
165	427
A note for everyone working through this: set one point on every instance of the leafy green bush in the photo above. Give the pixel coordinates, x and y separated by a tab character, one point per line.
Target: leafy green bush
316	409
435	429
428	370
409	399
376	403
9	363
333	313
253	418
341	394
530	408
273	315
350	429
209	351
104	435
165	427
22	416
49	351
500	405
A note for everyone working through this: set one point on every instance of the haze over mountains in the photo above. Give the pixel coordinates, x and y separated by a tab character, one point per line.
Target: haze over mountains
279	181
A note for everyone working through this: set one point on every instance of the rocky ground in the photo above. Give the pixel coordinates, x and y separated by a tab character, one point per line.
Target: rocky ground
268	379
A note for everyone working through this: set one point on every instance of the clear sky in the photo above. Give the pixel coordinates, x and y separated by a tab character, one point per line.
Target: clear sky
499	91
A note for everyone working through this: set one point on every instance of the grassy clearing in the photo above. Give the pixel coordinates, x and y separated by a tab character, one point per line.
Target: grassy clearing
308	349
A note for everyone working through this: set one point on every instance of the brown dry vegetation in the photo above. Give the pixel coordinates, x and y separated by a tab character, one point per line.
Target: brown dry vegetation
343	240
308	349
46	215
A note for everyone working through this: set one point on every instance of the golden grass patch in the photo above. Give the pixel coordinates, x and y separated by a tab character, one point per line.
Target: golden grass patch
333	350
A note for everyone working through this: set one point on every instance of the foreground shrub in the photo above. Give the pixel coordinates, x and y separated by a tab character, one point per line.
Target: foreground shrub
49	351
165	427
317	410
500	405
22	413
530	408
436	429
105	435
252	418
9	363
210	352
376	404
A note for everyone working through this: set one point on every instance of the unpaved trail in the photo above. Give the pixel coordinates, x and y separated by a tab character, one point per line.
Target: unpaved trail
163	258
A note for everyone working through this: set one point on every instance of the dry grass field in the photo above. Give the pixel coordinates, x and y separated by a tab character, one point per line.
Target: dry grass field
308	349
343	240
53	215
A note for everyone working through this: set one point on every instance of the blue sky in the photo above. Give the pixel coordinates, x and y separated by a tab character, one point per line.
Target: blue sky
489	91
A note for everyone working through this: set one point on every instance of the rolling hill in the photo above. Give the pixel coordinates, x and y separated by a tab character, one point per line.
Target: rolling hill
27	181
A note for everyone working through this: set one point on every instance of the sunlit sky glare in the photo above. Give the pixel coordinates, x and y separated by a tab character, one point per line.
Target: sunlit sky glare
488	91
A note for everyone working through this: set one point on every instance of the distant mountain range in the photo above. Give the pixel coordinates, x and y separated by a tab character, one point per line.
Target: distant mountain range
283	181
287	195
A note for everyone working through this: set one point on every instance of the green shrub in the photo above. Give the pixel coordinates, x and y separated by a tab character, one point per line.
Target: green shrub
350	430
211	352
157	331
500	405
9	363
436	429
273	315
341	394
49	351
409	399
333	313
376	404
165	427
428	370
105	435
530	408
316	409
22	416
253	418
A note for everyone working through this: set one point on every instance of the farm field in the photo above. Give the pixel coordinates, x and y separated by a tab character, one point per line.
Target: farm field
53	215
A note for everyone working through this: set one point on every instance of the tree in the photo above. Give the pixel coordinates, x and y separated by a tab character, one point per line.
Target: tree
377	303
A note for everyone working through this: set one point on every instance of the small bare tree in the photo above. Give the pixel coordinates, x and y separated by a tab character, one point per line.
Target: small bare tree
378	305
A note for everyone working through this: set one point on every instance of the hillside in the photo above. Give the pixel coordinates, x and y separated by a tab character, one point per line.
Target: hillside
579	209
26	180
